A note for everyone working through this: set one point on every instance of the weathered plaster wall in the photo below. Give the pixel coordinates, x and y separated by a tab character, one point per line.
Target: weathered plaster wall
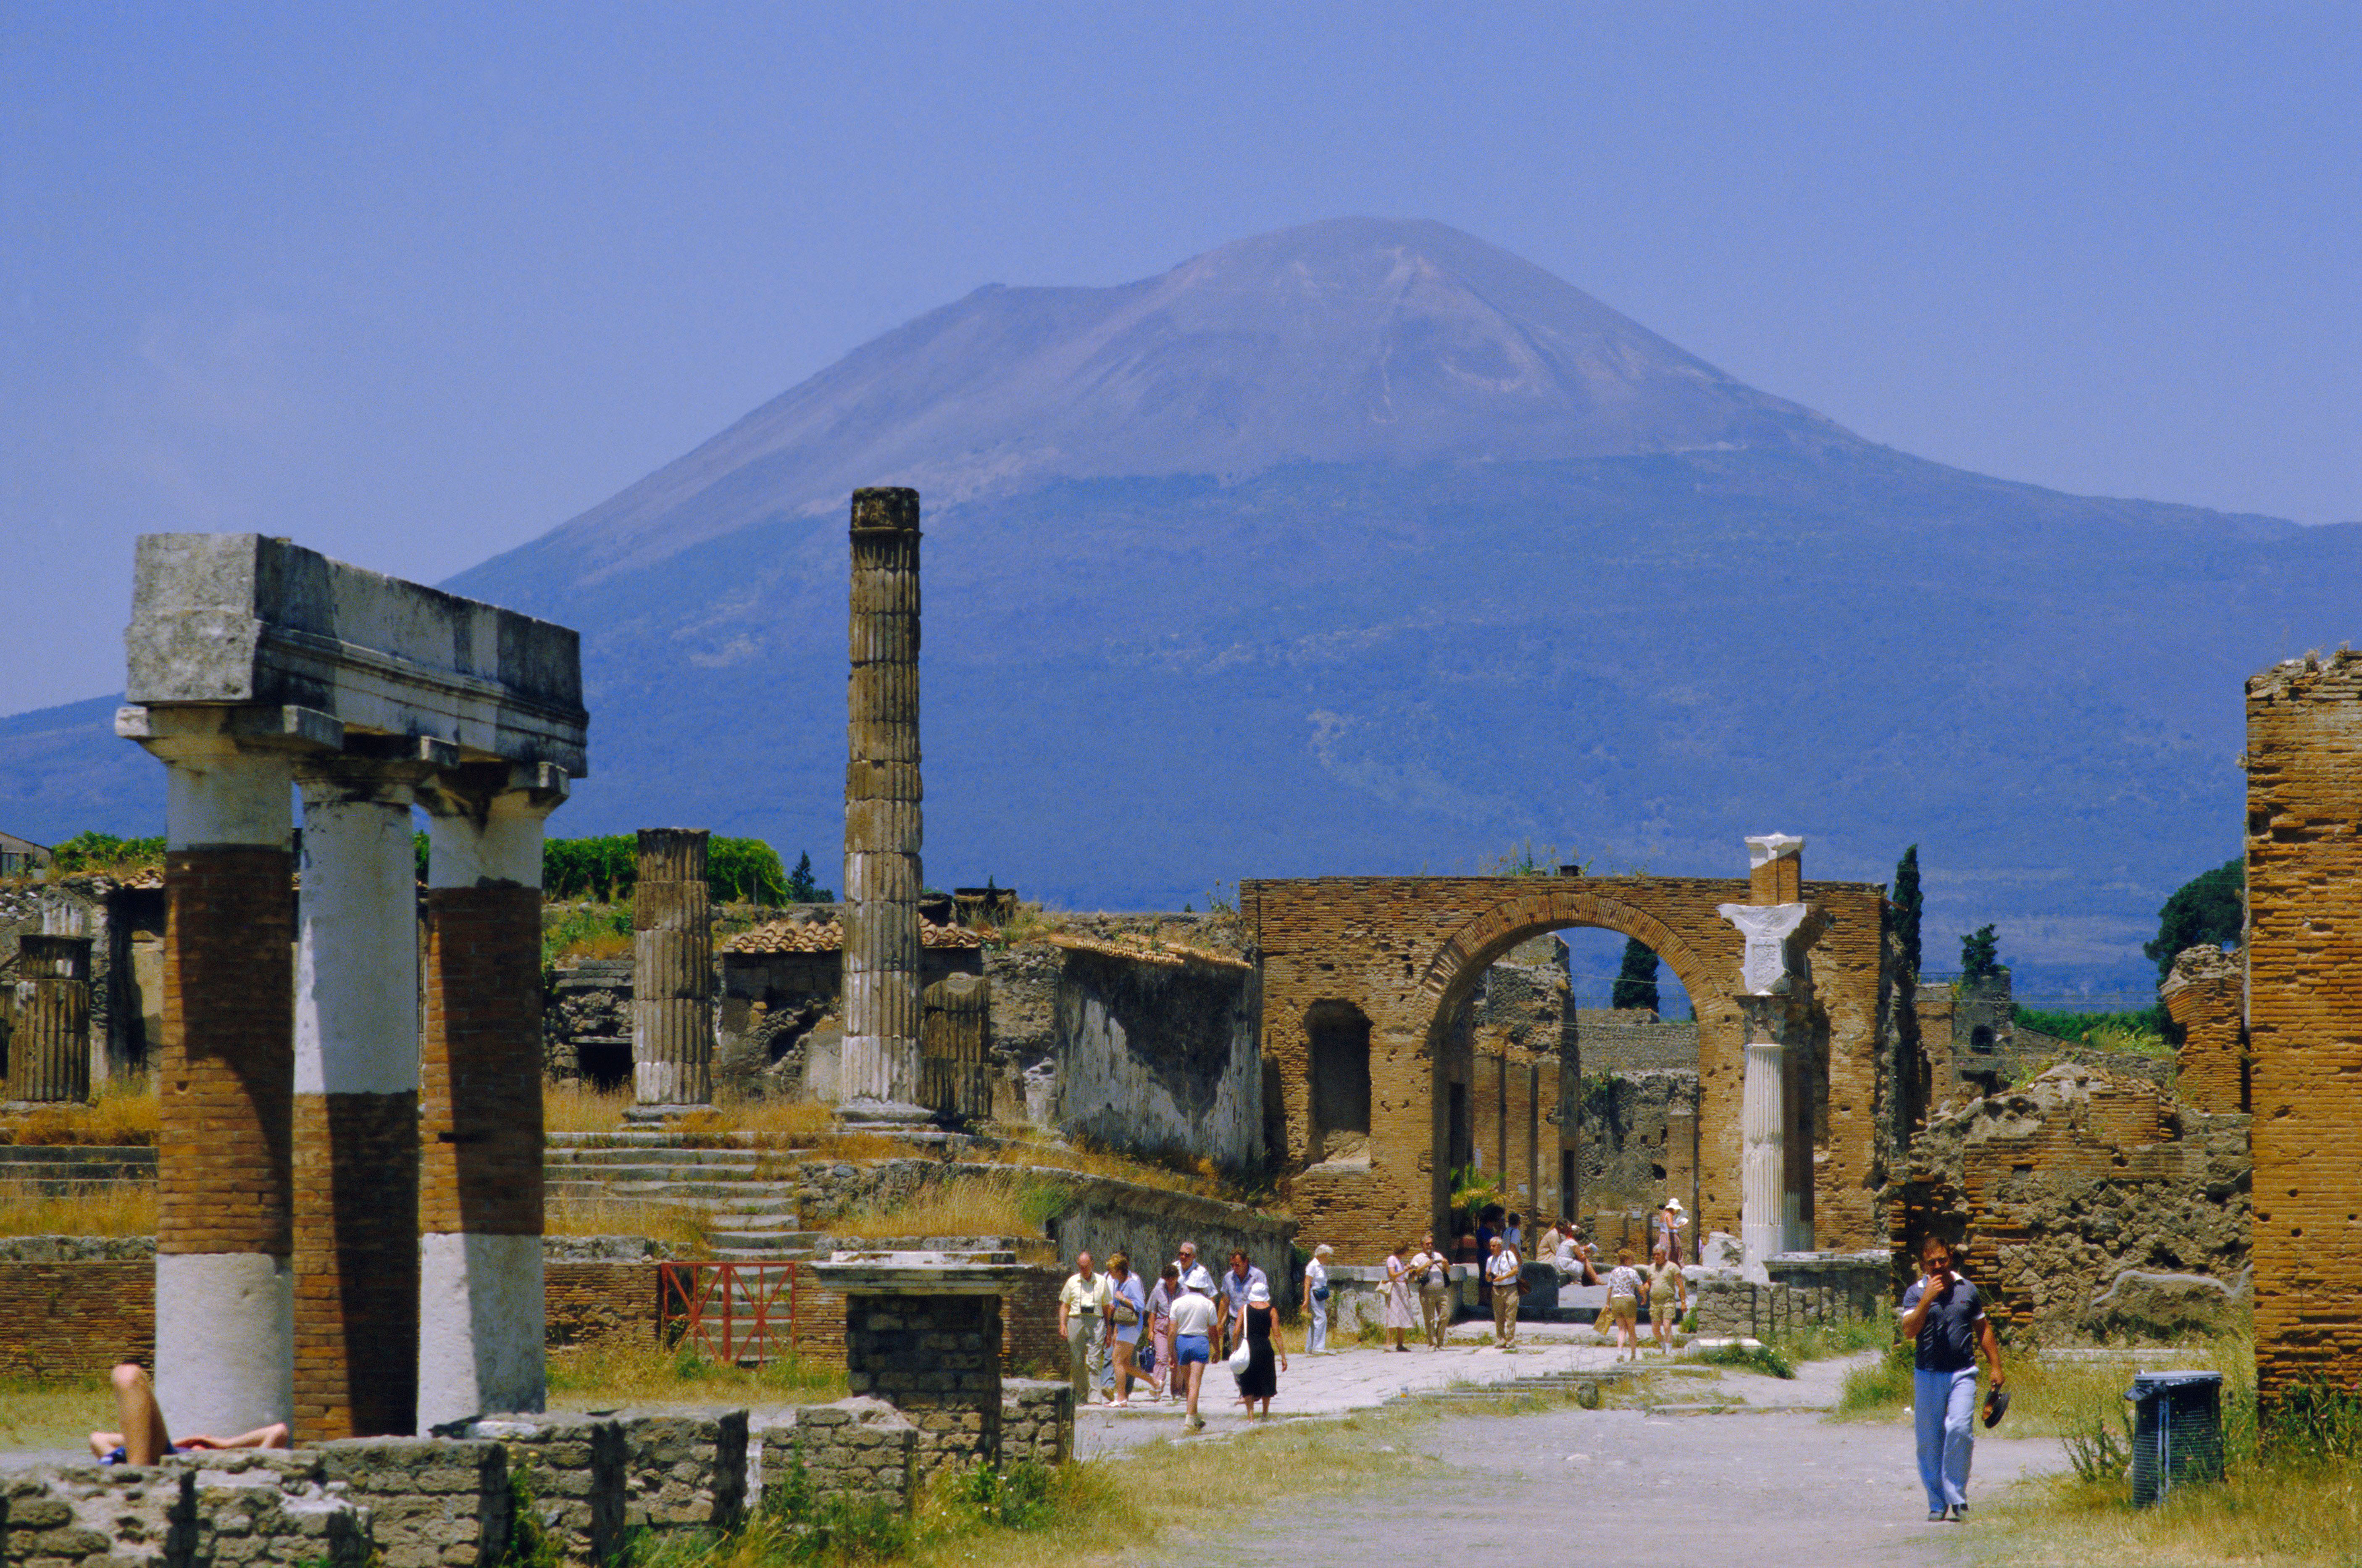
1160	1058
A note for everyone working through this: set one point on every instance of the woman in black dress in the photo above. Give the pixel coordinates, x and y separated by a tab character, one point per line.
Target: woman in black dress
1260	1325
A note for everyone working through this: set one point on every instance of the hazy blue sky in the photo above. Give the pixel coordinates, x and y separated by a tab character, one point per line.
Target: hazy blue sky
414	284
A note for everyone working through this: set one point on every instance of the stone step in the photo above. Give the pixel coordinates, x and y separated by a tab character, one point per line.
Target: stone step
574	1154
735	1195
618	1175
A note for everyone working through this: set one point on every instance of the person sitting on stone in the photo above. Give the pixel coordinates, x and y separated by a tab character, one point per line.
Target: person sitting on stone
144	1440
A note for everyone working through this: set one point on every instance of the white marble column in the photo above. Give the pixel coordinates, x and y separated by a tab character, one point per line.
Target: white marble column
1764	1135
1770	1214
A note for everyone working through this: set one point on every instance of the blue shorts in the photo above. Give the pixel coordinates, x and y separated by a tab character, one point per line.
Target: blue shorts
1187	1347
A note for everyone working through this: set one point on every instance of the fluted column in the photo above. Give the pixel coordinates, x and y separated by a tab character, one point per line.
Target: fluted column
672	970
356	1108
882	815
49	1052
1764	1136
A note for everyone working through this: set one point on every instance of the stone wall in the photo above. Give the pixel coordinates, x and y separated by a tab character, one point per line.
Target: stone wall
1404	952
244	1508
1639	1146
1150	1223
1800	1293
2062	1188
861	1449
2206	995
2305	987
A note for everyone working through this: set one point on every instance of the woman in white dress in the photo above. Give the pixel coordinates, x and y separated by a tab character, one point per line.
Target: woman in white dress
1398	1313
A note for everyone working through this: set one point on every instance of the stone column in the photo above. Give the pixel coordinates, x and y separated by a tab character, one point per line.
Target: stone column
356	1108
1770	1212
672	971
882	827
49	1049
224	1285
481	1136
956	1075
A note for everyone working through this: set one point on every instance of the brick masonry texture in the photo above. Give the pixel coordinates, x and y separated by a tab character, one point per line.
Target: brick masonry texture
2059	1188
1406	951
80	1316
2304	976
2204	995
228	1070
479	1101
356	1264
937	1360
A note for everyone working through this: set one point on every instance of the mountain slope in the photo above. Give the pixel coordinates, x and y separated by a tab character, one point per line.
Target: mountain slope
1365	548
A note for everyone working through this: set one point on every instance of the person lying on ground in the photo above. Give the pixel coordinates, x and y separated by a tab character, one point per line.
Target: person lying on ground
144	1440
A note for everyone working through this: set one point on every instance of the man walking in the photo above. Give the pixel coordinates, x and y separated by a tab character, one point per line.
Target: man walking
1501	1273
1238	1279
1082	1307
1945	1315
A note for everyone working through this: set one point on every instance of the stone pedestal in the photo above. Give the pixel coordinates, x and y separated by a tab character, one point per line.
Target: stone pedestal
922	1332
48	1045
883	829
672	971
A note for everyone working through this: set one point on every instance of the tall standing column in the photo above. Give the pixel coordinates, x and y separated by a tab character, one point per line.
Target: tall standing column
49	1050
479	1194
882	827
672	970
356	1109
1773	981
223	1287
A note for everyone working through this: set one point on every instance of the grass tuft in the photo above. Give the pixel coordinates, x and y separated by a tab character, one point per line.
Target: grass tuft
113	1208
125	1113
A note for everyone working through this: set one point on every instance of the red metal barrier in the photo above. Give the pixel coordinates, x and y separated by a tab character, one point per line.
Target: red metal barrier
733	1312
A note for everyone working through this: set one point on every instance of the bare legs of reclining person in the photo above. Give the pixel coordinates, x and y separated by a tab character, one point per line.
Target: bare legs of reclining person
143	1438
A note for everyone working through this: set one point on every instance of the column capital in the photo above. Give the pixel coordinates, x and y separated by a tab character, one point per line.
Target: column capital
1776	935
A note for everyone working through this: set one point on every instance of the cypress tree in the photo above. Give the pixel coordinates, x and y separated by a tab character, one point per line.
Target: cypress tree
1980	955
1636	981
1908	906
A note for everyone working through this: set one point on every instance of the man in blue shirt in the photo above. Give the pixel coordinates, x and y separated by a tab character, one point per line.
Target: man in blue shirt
1238	1279
1945	1315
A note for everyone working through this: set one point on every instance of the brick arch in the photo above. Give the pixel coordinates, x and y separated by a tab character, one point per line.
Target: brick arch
1471	949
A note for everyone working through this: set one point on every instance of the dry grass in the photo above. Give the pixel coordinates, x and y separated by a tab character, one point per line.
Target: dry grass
991	1203
615	1373
53	1412
125	1113
579	1108
115	1208
2304	1515
1026	1147
681	1227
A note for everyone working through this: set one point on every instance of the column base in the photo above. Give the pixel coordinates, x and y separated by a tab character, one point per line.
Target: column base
886	1113
480	1327
225	1341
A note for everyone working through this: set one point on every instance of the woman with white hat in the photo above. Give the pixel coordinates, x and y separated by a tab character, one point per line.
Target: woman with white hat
1668	1228
1259	1327
1316	1301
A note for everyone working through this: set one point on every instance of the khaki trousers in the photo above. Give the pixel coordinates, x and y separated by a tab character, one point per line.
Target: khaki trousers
1505	1313
1435	1305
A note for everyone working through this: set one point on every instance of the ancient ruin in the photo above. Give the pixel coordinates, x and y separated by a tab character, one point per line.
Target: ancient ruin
672	970
883	819
2304	1019
257	668
1361	978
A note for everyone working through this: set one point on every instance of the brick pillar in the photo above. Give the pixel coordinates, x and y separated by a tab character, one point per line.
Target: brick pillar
479	1200
882	813
672	970
49	1049
224	1075
2304	1020
356	1108
2205	997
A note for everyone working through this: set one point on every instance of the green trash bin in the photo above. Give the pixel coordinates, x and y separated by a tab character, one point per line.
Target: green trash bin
2177	1431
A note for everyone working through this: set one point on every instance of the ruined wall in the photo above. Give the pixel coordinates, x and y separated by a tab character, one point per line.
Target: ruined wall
1640	1145
2304	1012
1156	1055
2206	996
2062	1188
1405	951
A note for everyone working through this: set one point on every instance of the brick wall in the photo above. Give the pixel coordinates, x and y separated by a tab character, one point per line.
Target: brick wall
1407	951
2305	971
2206	996
67	1318
226	1079
356	1238
479	1096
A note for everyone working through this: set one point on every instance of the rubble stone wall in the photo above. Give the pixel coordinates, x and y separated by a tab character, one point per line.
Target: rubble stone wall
2061	1189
